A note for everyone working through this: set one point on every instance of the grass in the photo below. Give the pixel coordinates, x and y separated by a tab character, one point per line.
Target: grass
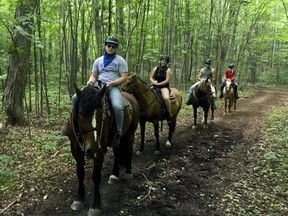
264	189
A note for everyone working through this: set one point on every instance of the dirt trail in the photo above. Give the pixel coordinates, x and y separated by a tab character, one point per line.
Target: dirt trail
188	179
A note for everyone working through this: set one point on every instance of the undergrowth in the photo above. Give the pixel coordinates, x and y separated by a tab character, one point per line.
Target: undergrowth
264	189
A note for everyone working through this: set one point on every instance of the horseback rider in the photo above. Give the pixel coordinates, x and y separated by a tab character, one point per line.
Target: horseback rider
230	74
160	78
206	72
111	69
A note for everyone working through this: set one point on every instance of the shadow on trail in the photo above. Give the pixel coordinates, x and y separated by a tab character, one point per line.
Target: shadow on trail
183	180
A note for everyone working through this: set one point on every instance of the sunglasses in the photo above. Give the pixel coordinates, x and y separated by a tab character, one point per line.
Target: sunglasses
113	46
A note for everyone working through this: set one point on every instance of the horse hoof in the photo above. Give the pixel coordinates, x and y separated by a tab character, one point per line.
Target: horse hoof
168	144
113	179
139	153
77	205
157	152
128	176
193	127
94	212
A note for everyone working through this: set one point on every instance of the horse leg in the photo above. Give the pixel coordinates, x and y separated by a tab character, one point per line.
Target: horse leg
205	117
156	134
195	117
78	155
142	128
116	166
95	209
126	155
212	114
172	126
235	104
225	106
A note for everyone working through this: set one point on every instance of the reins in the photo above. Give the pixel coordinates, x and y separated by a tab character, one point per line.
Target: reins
134	89
104	112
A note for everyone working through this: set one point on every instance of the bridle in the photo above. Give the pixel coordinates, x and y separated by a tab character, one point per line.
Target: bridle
134	90
78	132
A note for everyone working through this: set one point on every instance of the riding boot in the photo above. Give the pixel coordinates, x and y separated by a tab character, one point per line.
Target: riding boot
236	93
221	94
188	102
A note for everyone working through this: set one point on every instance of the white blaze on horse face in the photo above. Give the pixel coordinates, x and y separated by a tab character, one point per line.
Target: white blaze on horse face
94	124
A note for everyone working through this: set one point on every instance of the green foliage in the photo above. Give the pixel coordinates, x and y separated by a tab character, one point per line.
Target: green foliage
264	189
6	172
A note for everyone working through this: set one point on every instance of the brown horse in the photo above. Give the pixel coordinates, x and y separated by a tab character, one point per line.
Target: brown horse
201	97
92	117
229	97
151	109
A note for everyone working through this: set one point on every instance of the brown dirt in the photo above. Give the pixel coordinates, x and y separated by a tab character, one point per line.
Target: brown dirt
188	179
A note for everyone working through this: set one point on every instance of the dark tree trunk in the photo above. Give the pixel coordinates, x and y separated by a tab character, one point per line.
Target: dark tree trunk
18	71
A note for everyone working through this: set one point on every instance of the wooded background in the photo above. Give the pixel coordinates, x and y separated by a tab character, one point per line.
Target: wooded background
46	46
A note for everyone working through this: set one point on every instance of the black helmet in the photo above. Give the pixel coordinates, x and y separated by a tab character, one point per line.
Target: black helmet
166	57
231	65
208	61
111	39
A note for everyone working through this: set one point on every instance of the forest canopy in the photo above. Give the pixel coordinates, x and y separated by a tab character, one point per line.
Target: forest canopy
67	36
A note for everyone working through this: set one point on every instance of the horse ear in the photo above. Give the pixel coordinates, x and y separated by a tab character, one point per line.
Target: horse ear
77	90
103	90
130	77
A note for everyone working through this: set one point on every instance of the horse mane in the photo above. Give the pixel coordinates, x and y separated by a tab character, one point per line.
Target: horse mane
203	85
89	100
137	77
201	89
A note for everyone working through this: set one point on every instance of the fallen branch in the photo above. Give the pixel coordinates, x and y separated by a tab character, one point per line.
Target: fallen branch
7	207
11	204
150	188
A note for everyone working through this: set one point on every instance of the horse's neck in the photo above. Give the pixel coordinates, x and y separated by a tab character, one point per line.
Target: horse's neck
144	94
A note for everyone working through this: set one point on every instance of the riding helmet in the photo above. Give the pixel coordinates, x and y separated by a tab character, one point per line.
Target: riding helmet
166	57
111	39
231	65
208	61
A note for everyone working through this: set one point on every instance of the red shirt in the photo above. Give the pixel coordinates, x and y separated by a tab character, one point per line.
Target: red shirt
230	74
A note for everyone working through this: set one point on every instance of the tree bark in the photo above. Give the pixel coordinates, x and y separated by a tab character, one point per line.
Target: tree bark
18	71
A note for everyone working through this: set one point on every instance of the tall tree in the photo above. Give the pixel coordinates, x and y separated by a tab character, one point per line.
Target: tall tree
14	93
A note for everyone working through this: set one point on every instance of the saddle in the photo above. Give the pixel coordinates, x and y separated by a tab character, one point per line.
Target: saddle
127	110
158	94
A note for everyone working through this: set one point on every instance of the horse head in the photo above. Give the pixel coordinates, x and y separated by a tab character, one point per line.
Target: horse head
204	87
129	86
134	85
228	85
89	101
